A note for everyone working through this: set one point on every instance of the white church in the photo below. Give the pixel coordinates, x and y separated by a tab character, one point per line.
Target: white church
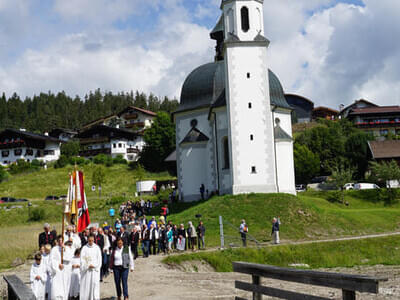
233	125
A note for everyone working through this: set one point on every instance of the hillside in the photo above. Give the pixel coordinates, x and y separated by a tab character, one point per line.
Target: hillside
37	185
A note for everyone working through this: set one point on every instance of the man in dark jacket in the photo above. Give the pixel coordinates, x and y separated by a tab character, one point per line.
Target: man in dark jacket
46	237
134	238
124	235
201	230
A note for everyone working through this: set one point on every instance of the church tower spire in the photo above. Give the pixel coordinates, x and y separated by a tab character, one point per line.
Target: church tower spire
243	19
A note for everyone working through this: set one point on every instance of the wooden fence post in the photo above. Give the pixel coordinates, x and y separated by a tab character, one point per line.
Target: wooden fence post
256	281
348	295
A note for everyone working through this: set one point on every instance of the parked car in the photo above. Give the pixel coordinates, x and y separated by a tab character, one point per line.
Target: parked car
319	179
8	199
21	200
300	187
365	186
51	198
63	197
348	186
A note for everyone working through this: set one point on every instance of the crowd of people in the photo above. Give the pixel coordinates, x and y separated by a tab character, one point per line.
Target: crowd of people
72	265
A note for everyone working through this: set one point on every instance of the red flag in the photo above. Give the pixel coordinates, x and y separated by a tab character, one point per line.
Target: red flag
83	210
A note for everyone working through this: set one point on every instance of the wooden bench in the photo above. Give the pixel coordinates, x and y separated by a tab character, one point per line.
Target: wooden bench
349	284
17	289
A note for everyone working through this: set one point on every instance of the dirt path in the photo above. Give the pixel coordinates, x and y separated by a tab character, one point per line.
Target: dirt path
154	280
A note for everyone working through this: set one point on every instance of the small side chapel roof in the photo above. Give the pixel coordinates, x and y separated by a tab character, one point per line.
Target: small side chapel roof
281	135
194	136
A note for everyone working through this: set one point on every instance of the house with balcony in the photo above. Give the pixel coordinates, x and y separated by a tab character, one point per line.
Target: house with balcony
136	119
101	139
20	144
379	120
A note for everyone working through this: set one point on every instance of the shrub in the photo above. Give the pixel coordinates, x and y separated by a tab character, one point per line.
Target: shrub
3	174
61	162
36	164
20	166
70	149
115	200
119	159
102	159
37	214
80	161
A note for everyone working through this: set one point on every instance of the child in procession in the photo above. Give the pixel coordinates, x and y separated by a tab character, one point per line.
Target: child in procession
38	278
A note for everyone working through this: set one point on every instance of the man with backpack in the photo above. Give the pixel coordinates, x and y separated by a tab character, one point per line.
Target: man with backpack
243	229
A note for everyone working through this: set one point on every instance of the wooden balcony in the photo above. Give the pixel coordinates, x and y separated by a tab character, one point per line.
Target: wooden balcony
131	116
94	152
132	150
377	124
135	125
98	140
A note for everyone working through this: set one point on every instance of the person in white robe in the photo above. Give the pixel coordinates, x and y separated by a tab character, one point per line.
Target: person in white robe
76	275
38	278
46	262
58	278
91	260
68	256
76	239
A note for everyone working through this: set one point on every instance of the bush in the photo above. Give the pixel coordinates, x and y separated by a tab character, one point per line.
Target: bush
119	159
80	161
103	159
115	201
37	214
3	174
36	164
20	166
61	162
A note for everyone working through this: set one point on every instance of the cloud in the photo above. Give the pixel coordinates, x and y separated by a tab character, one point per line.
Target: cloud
340	53
114	60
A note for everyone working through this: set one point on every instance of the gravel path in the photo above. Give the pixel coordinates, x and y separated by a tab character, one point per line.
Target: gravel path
195	280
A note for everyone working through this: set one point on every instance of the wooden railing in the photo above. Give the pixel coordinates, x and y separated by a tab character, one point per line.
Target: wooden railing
349	284
17	289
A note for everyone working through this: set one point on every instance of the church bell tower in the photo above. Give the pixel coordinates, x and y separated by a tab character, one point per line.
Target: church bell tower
250	121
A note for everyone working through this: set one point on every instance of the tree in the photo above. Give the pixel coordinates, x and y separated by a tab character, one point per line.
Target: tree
340	176
70	149
99	177
357	151
160	142
386	172
306	163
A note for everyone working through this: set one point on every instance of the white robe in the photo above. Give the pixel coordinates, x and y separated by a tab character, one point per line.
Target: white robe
38	286
76	241
75	278
46	262
68	256
58	279
90	278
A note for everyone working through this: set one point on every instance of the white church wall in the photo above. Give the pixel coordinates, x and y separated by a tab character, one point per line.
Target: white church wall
189	175
225	179
285	120
285	167
250	127
194	172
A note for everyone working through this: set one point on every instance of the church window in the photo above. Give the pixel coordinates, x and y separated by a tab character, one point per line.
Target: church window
248	75
244	12
226	152
253	169
251	137
250	105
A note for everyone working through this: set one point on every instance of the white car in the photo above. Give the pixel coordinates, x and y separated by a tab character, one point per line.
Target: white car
365	186
348	186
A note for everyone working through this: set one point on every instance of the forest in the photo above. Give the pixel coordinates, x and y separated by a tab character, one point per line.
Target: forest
47	111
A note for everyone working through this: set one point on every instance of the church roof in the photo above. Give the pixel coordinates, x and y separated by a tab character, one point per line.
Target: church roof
205	85
195	136
281	135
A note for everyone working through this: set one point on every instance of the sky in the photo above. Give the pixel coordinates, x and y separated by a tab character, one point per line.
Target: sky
330	51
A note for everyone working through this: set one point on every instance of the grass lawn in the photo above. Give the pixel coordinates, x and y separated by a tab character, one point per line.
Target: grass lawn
385	251
37	185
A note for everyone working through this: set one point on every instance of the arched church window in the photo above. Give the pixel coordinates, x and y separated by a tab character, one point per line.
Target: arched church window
259	20
244	12
229	21
225	147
